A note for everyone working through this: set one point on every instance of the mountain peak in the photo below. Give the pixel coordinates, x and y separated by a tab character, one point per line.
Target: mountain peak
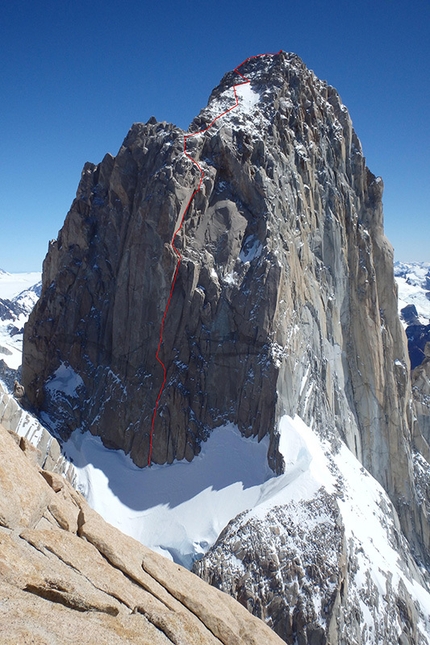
239	274
261	86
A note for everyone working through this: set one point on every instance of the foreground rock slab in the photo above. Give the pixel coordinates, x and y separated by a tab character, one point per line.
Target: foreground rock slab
67	576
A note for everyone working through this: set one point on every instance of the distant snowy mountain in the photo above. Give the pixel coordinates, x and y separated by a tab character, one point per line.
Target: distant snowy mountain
413	281
12	284
19	293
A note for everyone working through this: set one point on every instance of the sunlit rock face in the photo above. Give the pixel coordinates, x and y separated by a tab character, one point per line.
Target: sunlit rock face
285	301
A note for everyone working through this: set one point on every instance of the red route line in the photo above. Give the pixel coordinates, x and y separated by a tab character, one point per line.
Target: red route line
177	252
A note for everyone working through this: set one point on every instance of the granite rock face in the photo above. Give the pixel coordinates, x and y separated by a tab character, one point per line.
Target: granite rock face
285	300
272	567
67	576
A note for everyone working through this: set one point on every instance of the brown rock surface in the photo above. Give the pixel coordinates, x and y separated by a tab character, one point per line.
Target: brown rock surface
66	576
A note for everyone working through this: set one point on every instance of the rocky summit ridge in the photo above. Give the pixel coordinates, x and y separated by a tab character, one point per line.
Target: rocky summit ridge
285	302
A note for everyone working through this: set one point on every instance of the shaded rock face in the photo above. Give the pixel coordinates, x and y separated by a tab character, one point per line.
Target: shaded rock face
410	315
418	336
421	392
66	576
285	301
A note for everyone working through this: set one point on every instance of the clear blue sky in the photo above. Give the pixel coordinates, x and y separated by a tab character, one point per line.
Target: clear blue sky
76	74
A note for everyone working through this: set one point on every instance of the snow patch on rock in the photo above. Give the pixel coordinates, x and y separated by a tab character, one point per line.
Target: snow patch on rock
64	381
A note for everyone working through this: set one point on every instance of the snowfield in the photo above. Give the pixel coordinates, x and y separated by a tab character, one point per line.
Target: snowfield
179	510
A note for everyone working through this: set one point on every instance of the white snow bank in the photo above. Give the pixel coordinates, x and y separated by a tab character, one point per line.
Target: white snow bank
362	515
305	467
247	97
177	509
371	534
180	509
